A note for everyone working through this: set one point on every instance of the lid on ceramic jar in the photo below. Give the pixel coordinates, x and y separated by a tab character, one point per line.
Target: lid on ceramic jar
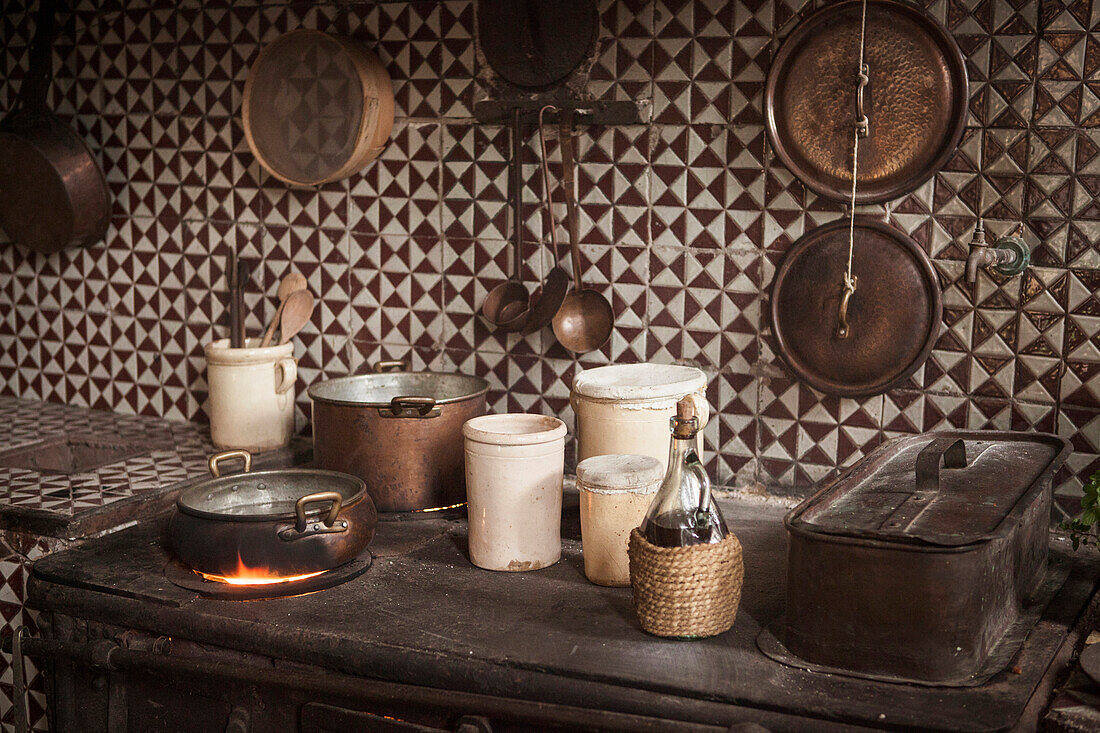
615	473
637	382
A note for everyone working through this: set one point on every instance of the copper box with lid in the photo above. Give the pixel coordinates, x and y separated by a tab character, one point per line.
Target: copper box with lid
927	561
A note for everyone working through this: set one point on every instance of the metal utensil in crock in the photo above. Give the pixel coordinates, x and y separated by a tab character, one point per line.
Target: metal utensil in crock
399	431
287	522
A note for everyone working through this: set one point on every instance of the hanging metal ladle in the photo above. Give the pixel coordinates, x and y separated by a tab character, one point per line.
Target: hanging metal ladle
508	304
585	320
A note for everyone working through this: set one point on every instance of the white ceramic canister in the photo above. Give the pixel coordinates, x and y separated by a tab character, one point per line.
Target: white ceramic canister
251	404
625	408
615	492
514	468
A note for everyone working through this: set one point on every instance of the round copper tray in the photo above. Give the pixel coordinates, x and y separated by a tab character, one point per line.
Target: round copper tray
894	315
916	101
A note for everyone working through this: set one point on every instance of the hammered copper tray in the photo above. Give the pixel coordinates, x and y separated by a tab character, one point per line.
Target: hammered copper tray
894	315
916	101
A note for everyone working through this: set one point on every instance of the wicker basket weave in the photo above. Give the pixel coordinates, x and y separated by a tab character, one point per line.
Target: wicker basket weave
689	591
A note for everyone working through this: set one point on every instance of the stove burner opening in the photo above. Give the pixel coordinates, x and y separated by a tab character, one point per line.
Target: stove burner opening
251	587
250	576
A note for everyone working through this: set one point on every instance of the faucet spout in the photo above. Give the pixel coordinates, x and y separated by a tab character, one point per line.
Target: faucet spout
1010	255
984	256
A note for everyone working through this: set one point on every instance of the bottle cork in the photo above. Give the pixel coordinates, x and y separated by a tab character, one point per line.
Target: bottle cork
685	424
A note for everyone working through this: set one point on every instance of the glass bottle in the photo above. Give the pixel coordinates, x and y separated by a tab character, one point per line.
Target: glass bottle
683	512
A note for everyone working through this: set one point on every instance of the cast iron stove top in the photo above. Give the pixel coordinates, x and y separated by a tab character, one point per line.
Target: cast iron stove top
425	616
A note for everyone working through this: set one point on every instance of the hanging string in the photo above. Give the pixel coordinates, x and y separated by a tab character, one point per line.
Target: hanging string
861	129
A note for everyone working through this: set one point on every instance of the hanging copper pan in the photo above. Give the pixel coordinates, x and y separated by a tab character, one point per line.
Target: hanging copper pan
893	317
52	191
916	100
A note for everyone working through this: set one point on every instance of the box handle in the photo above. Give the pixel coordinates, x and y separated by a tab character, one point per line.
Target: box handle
951	452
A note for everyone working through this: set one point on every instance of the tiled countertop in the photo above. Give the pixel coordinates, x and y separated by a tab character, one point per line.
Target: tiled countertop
74	505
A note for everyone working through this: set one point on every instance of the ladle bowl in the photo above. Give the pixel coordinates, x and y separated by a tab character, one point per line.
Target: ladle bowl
506	306
506	303
584	322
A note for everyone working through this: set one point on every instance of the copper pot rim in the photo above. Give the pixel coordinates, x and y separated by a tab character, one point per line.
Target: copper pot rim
274	474
315	390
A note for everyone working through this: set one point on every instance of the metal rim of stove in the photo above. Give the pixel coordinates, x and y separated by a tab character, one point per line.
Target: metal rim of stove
184	577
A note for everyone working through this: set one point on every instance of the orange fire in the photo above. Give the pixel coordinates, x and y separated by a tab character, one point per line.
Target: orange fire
244	575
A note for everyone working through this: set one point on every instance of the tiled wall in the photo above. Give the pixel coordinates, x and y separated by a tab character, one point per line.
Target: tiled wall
684	221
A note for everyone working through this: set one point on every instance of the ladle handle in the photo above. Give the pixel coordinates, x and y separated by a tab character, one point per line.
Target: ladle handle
516	186
32	92
569	176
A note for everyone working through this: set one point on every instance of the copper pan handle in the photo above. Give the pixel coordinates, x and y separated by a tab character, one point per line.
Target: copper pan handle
300	508
396	365
408	406
218	458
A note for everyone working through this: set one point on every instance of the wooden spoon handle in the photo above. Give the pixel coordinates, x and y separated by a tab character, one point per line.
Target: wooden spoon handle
270	332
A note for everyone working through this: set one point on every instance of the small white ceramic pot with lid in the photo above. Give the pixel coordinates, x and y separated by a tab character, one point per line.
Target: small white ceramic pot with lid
615	492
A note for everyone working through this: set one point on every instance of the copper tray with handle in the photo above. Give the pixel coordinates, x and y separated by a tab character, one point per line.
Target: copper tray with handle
893	319
915	102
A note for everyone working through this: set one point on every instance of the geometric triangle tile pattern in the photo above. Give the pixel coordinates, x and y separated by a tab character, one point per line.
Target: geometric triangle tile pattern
683	222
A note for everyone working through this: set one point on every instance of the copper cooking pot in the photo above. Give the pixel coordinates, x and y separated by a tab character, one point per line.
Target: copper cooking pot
286	522
399	431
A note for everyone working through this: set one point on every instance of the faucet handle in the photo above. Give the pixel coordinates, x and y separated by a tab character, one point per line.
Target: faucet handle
1021	255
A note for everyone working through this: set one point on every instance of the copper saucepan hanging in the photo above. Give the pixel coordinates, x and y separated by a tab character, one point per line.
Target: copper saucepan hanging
893	318
916	100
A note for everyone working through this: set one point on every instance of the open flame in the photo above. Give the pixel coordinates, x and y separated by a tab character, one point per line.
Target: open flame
245	575
438	508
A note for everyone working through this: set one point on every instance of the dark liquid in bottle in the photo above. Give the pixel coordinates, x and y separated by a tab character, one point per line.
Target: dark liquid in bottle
680	529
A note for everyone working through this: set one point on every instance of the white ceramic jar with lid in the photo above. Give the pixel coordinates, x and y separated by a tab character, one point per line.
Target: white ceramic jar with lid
625	408
615	493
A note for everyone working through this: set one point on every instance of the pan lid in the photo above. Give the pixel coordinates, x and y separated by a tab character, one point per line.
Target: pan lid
915	102
945	489
893	316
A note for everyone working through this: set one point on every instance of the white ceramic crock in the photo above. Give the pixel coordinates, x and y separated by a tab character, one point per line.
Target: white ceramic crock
514	468
615	493
625	408
251	403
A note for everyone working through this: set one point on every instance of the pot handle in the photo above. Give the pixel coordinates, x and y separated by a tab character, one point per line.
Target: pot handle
397	365
287	369
300	508
404	406
215	461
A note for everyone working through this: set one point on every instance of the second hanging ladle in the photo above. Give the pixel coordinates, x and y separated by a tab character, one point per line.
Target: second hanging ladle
507	305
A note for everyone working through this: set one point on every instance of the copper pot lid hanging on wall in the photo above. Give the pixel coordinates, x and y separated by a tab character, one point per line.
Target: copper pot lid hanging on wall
893	317
916	99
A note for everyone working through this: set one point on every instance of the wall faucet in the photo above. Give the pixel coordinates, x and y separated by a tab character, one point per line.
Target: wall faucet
1009	255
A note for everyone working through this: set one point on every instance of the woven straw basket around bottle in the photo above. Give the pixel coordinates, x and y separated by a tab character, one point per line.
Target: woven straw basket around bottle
689	591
